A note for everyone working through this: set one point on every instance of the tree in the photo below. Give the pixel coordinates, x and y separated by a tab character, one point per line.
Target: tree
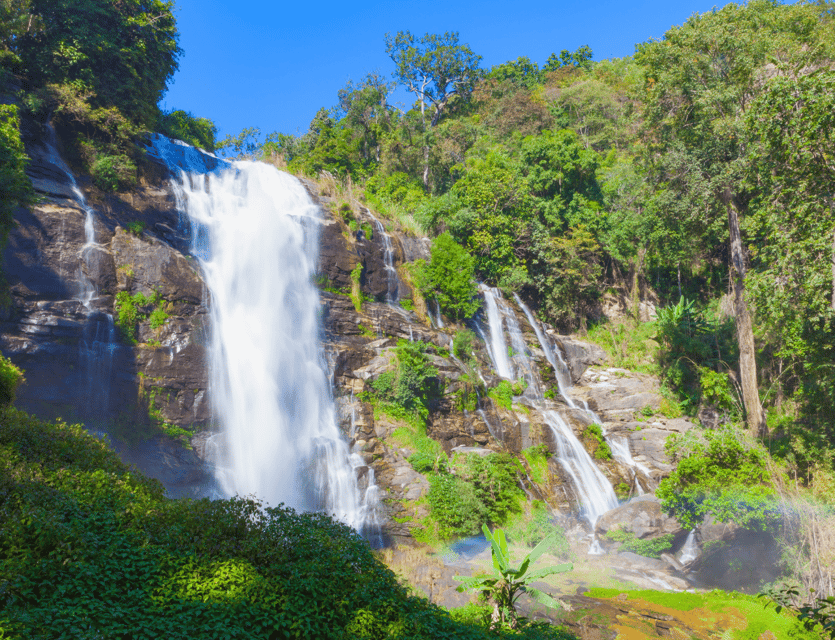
700	82
580	58
448	277
123	51
793	284
435	68
506	583
364	107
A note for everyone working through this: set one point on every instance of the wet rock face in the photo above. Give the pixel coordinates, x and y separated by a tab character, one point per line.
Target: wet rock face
77	363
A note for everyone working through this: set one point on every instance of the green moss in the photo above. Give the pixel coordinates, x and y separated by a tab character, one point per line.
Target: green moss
648	548
356	291
537	458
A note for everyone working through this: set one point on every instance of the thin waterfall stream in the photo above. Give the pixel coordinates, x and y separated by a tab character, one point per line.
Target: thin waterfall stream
618	445
255	232
98	344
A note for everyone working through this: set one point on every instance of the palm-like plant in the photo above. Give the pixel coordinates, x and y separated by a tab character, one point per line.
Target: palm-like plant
506	584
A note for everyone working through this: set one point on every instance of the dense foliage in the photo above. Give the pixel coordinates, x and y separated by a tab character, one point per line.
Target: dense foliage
722	473
89	548
699	169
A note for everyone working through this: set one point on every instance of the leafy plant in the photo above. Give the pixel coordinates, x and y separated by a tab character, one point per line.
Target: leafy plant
449	278
593	435
507	583
652	548
356	291
10	378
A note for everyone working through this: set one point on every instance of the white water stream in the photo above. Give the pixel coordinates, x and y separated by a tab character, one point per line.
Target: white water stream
392	281
618	445
98	344
594	491
255	232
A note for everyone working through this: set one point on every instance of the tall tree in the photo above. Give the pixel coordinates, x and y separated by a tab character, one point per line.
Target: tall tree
436	69
700	82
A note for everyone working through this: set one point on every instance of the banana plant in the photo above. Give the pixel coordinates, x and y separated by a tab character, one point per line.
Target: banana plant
507	583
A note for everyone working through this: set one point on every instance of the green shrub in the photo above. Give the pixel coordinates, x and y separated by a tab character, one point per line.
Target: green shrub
90	548
721	472
532	530
537	457
356	291
593	435
504	391
414	384
183	125
113	172
10	378
136	228
648	548
129	309
463	344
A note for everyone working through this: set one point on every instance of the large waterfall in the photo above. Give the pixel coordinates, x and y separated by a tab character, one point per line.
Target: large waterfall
255	232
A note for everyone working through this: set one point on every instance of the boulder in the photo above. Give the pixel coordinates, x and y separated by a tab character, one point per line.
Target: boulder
641	516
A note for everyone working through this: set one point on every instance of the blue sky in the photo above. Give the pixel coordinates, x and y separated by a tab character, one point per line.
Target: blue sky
273	64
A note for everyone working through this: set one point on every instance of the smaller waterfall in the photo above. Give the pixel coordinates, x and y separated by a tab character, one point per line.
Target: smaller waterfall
690	551
496	345
392	294
593	490
96	352
88	263
618	445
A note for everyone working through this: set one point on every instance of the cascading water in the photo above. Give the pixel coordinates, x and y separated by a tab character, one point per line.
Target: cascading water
594	491
393	285
98	345
618	445
496	345
255	232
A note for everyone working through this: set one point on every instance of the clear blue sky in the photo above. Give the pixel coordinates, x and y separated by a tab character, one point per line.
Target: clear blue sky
272	64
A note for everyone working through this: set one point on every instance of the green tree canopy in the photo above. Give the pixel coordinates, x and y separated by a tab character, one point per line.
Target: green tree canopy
124	51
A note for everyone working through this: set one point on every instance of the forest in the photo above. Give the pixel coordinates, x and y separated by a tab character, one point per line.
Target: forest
697	174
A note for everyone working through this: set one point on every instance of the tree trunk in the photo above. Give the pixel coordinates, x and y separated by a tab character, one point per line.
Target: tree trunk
426	166
744	327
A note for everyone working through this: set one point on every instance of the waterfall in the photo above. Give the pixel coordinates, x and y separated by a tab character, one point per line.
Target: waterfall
496	345
618	445
593	490
98	345
690	551
255	232
393	284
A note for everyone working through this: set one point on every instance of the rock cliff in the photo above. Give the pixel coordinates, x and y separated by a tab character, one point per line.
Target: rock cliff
147	387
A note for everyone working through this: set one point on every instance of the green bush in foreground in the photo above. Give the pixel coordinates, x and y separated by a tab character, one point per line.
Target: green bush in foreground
89	549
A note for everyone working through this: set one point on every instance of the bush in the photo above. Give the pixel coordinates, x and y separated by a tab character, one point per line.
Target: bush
718	472
10	379
593	435
449	278
91	549
648	548
113	172
414	385
183	125
463	344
